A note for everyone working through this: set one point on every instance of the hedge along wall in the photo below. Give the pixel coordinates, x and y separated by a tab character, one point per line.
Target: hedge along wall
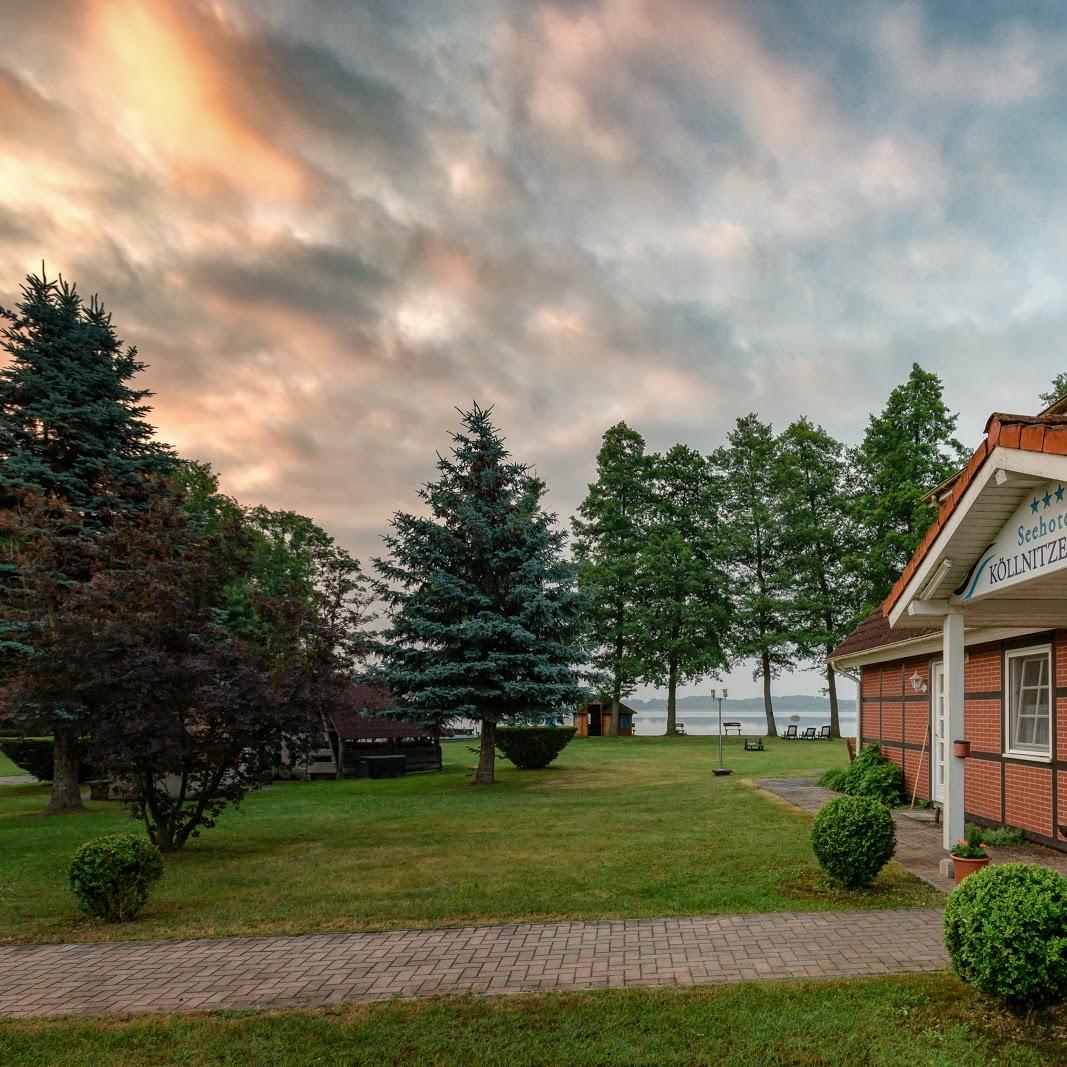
997	789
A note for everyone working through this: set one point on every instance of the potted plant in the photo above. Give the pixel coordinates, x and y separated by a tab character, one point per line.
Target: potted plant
961	749
969	855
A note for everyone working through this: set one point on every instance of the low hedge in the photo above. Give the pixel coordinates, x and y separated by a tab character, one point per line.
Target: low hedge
34	756
853	838
870	774
533	747
1006	933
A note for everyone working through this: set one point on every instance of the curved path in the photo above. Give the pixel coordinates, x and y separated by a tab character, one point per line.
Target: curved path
316	969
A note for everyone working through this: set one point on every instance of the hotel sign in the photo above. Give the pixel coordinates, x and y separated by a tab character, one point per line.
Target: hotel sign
1033	543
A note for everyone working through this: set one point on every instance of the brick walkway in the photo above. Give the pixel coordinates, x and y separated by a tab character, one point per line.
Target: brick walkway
919	846
260	972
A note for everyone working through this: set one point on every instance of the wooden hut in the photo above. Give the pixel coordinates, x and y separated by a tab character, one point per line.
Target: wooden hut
594	719
357	727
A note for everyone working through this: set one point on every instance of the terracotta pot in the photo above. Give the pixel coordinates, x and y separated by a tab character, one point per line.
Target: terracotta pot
961	749
962	867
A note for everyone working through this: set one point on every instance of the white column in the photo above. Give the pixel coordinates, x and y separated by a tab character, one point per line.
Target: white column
952	810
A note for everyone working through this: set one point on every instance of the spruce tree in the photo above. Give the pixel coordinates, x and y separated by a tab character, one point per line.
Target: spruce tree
681	591
759	627
608	531
483	617
72	430
907	450
817	535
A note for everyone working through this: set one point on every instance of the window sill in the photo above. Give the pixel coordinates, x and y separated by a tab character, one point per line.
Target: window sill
1032	757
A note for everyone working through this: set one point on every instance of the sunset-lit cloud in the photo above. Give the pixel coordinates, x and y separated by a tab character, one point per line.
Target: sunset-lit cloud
327	225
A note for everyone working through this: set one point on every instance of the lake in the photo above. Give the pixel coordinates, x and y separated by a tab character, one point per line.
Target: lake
706	721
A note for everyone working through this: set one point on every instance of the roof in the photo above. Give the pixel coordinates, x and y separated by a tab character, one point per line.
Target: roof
874	632
1028	433
355	716
1045	433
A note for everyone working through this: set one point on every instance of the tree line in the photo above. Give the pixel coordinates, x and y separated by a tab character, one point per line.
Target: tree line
182	641
769	549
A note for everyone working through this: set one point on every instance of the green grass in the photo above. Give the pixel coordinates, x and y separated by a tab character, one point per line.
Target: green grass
8	768
883	1022
623	827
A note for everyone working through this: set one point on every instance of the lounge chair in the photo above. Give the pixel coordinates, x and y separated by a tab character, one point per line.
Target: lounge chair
790	733
808	734
824	733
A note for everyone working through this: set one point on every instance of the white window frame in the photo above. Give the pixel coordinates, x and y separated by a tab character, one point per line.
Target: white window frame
1009	698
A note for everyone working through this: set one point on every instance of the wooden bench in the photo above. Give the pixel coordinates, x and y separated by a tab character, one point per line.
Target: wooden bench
734	727
753	744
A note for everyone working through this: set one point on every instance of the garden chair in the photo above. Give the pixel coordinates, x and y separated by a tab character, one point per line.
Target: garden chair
790	732
824	733
808	734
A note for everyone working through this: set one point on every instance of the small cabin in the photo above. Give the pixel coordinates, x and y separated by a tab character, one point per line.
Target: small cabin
594	719
359	727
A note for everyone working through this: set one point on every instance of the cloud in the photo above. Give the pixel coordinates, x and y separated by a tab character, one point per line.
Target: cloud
328	225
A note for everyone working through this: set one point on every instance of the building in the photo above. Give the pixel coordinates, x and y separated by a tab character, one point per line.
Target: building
594	719
971	644
357	727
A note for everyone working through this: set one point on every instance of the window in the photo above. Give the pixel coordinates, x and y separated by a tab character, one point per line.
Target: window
1029	702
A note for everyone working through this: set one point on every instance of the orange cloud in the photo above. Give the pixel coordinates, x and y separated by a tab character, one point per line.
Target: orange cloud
172	99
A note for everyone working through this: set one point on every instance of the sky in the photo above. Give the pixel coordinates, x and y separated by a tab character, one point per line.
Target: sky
328	224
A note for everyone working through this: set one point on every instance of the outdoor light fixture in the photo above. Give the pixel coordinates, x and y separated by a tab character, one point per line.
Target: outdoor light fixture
720	697
917	682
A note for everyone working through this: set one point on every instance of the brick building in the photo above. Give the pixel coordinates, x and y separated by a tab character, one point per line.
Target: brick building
971	644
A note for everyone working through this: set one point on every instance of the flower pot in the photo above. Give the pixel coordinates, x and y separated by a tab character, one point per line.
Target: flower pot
962	867
961	749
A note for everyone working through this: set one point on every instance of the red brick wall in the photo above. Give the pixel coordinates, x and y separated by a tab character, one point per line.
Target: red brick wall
981	724
981	787
981	669
1028	797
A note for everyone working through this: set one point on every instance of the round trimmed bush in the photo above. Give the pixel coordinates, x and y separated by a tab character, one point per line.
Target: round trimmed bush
853	839
110	876
1006	932
532	747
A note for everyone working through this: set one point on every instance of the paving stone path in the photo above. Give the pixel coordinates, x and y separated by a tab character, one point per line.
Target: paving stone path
919	845
262	972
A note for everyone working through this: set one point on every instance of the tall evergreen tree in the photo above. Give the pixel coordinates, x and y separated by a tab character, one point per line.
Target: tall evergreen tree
907	450
72	429
1056	389
608	529
759	627
682	599
484	620
816	532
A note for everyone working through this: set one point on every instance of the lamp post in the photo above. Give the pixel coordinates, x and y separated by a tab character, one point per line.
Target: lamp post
720	697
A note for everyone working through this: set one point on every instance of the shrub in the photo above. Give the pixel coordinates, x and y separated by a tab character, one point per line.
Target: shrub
870	774
853	838
834	779
533	747
34	756
1006	932
1000	836
110	876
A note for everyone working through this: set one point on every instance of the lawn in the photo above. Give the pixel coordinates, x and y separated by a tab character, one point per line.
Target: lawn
625	827
883	1022
8	768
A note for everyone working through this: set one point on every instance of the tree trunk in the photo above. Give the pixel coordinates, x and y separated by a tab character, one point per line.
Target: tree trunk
613	729
486	754
768	707
66	762
831	684
672	699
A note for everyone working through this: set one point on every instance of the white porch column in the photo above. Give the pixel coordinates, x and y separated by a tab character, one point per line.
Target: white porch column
952	808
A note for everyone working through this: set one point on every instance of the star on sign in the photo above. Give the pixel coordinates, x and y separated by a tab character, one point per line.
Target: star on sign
1034	505
1059	493
1047	498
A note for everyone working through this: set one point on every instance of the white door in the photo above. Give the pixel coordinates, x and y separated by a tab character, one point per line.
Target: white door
937	731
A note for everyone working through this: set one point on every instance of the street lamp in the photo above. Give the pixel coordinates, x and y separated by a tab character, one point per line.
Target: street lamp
720	697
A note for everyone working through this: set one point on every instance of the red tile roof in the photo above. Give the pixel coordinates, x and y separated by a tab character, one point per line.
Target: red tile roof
874	632
355	716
